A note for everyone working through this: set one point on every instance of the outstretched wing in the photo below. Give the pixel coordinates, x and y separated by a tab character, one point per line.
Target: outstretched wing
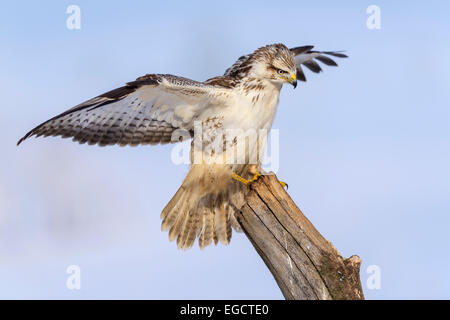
145	111
305	56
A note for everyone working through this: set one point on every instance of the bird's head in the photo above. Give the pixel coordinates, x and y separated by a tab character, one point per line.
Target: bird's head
275	62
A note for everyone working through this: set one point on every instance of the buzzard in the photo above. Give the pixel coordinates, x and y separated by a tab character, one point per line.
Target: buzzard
217	114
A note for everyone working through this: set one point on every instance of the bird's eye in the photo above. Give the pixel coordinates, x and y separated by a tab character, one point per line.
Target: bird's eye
280	71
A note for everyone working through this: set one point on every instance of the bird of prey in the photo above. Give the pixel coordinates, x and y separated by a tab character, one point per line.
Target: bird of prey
163	108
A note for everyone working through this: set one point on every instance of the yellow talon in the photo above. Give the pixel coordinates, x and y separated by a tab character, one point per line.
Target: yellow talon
255	177
245	181
240	179
284	184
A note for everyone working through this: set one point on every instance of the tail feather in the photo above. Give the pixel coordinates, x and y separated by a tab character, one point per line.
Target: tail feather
221	222
175	199
184	229
180	215
189	233
209	218
172	210
229	231
233	221
207	234
193	232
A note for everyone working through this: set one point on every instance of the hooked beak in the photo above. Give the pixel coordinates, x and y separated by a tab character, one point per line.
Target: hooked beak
294	83
293	80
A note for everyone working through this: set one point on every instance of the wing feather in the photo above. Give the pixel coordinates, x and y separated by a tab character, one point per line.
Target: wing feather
305	56
145	111
313	66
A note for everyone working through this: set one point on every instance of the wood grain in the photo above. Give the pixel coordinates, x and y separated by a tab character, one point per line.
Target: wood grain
304	264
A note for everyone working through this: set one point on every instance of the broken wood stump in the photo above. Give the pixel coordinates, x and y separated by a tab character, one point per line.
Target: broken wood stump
304	264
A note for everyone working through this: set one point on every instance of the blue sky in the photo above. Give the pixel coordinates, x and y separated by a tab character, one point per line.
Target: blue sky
364	147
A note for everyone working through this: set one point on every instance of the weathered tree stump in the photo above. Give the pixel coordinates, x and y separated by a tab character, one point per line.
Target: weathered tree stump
304	264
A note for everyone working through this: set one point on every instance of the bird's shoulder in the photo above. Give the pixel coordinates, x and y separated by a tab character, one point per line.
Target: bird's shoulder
223	82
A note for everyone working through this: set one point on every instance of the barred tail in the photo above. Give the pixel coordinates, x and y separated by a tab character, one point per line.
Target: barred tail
188	216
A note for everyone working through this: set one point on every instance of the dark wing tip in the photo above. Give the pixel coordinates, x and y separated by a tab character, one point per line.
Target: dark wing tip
327	61
338	54
109	97
300	74
300	50
312	65
25	137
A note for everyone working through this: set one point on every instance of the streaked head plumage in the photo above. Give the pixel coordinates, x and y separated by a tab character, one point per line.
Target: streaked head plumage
273	62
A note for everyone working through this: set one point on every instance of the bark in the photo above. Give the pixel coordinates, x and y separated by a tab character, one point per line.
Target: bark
304	264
